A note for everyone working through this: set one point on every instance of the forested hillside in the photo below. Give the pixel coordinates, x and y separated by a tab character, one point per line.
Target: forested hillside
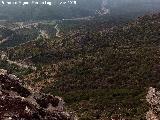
101	72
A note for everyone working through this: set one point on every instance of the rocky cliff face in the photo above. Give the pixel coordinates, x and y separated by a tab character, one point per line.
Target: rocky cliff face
17	102
153	98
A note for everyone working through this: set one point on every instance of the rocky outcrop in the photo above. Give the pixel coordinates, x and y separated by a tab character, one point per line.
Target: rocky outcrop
17	102
153	98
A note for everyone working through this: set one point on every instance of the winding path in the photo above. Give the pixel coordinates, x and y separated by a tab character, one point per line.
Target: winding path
58	31
22	65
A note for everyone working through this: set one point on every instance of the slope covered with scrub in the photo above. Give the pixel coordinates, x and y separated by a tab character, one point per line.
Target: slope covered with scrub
100	73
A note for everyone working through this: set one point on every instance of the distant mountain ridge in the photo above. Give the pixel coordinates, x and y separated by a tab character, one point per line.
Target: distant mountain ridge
48	10
66	9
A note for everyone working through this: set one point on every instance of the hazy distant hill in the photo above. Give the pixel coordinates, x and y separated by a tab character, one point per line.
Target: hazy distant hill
55	11
82	8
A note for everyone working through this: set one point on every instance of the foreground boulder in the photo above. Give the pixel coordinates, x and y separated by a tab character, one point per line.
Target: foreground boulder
17	102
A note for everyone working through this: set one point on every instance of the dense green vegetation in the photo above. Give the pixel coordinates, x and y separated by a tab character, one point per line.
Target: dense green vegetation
14	69
20	37
100	72
35	30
